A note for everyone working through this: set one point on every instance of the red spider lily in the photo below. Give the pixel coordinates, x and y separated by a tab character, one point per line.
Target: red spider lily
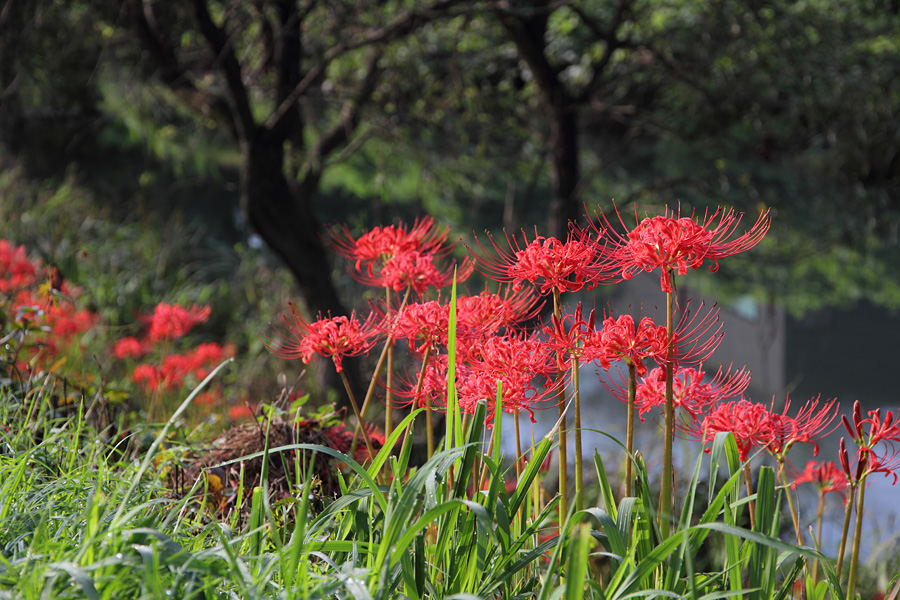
378	246
53	325
172	321
671	242
869	461
423	325
129	347
415	270
176	368
516	362
620	339
572	336
826	476
810	423
334	337
691	394
432	391
878	430
755	425
547	262
878	444
748	421
16	271
397	258
486	313
148	376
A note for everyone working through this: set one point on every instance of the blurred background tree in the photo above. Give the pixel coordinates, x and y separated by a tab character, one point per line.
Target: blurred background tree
247	125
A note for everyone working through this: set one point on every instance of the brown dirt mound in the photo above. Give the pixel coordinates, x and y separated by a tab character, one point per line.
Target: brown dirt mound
222	481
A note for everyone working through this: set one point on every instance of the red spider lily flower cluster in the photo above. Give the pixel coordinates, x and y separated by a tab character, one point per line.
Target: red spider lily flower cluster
548	263
825	476
571	337
620	339
397	258
47	312
487	313
175	369
173	321
757	427
484	358
162	369
515	362
378	246
878	442
674	243
329	337
17	272
130	347
691	395
423	325
339	438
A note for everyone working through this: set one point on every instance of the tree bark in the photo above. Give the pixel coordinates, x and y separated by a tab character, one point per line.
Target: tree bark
564	206
528	32
283	217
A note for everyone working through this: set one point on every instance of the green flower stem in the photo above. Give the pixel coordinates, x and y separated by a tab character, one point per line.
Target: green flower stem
359	426
748	481
389	396
579	468
814	571
629	430
857	537
848	510
787	488
518	449
381	359
563	454
482	480
665	490
429	430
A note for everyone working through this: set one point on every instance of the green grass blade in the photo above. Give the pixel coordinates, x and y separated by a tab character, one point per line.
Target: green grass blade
576	572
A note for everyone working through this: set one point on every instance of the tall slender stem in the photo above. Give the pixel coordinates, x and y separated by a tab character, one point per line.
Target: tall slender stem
795	517
429	430
384	351
629	429
563	453
360	425
814	572
748	481
579	467
848	510
857	537
389	396
665	492
518	449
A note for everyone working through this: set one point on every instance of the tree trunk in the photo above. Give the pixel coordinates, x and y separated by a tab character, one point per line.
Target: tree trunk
283	217
564	206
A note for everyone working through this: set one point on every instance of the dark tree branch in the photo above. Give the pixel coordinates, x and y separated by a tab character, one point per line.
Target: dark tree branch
402	25
231	68
528	34
342	131
610	37
171	71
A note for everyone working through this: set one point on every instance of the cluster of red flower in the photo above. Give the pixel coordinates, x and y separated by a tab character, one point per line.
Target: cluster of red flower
46	312
166	371
490	348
